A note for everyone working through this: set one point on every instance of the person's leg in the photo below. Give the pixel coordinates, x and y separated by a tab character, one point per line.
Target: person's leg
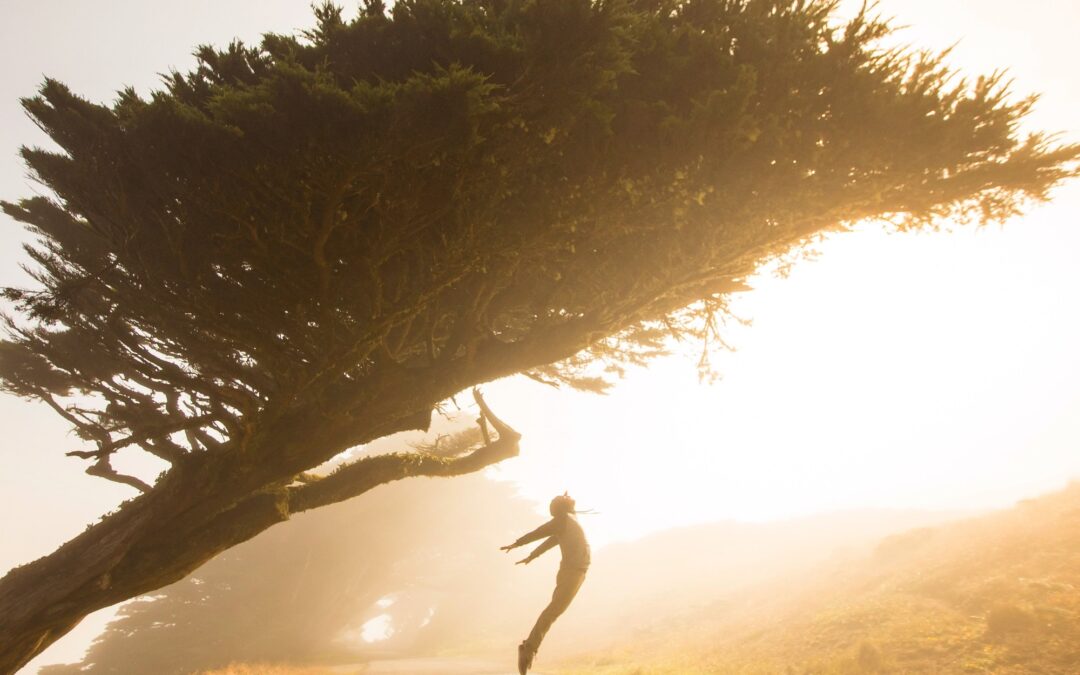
567	584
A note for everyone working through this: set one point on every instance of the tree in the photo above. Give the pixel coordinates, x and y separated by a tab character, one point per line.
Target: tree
301	247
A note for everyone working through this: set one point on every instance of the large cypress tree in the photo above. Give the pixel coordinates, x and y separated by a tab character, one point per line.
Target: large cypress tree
304	246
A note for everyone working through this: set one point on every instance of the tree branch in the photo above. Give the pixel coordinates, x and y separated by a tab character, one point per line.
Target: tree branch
102	469
364	474
187	424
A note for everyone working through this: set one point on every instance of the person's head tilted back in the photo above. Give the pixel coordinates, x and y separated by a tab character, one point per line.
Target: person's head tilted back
562	505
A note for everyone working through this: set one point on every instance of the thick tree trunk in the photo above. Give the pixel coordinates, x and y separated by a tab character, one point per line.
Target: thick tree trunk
160	537
152	542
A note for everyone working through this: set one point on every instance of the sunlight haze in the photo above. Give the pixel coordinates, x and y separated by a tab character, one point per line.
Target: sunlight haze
921	371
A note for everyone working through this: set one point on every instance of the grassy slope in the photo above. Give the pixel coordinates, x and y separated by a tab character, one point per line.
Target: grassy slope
996	594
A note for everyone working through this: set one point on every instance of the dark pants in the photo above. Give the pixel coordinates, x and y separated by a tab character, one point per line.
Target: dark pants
567	583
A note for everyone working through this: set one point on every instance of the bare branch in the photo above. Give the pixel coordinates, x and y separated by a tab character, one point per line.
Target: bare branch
103	469
506	432
156	432
537	377
90	429
364	474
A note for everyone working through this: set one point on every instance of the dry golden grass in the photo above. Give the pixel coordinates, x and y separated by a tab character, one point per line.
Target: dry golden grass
999	594
273	669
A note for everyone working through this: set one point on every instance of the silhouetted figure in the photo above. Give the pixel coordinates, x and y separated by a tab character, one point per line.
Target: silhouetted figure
564	530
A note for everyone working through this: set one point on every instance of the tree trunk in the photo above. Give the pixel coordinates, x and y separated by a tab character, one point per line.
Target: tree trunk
162	536
151	542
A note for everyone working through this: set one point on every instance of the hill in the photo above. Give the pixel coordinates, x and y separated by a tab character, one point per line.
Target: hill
998	593
635	586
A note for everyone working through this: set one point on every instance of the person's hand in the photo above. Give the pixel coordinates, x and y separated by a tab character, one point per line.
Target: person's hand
506	548
524	561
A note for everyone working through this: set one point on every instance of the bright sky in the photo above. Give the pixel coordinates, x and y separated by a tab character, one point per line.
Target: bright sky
933	370
926	370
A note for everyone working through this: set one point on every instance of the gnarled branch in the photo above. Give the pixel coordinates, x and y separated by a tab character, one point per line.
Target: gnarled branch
364	474
187	424
102	469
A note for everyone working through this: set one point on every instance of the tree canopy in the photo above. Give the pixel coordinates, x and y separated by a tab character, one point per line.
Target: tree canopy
303	246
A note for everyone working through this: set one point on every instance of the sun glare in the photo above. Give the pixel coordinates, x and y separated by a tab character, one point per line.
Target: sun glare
900	371
892	371
378	629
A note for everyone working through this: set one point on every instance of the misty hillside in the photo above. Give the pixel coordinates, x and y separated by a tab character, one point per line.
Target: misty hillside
632	585
998	593
413	570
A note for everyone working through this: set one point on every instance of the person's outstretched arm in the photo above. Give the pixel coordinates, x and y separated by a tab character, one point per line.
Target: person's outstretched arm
548	529
540	550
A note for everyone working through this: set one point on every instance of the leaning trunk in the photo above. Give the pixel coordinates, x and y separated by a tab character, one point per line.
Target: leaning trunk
199	509
156	540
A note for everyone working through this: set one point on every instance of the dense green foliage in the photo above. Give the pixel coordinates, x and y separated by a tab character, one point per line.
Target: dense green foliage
465	189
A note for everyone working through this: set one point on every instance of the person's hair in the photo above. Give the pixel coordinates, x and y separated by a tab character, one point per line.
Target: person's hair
564	503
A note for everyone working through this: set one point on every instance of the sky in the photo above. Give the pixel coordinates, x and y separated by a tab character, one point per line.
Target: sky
932	370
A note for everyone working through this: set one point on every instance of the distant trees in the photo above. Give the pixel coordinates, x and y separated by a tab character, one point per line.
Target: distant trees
303	246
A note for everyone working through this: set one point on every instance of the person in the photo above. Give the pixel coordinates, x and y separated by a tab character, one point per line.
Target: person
564	530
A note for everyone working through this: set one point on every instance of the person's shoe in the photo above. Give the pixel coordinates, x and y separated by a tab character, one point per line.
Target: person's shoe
525	658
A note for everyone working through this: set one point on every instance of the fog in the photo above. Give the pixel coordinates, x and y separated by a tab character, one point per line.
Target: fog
413	570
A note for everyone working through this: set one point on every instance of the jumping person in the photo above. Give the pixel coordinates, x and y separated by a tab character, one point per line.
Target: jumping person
564	530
